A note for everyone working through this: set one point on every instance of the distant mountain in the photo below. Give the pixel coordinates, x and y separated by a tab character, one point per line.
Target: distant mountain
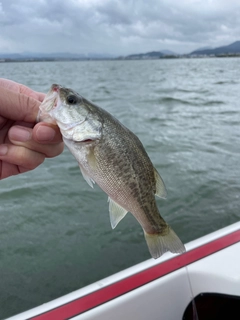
169	52
36	55
150	55
230	49
204	48
147	55
53	56
92	55
10	56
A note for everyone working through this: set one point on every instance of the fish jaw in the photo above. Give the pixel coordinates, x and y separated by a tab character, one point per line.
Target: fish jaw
80	132
50	102
54	108
66	108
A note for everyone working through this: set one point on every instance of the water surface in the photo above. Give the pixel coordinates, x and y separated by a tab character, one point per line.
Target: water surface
55	233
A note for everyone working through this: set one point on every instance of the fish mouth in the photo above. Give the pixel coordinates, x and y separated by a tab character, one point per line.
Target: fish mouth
55	88
87	141
80	142
49	102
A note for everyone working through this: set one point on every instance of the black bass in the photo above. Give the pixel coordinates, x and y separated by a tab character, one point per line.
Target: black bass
112	156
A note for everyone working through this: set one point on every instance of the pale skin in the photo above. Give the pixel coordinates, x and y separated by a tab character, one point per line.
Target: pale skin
24	145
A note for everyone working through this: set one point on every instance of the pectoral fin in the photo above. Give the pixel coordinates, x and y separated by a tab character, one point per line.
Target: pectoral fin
117	213
161	191
89	180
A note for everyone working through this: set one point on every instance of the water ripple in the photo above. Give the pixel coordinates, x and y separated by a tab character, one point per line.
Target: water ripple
54	229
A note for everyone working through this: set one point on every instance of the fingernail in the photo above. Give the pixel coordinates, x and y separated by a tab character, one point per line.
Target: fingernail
45	133
19	134
3	150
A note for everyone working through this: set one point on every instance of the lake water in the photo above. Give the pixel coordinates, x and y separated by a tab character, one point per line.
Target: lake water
55	233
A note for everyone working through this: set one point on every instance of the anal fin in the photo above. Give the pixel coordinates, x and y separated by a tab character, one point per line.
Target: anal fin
117	213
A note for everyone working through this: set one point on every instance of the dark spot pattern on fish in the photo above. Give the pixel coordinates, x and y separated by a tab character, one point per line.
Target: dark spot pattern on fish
117	161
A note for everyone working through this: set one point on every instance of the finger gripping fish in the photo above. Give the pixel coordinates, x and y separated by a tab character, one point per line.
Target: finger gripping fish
112	156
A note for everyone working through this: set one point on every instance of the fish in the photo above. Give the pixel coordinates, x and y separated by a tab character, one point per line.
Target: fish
112	156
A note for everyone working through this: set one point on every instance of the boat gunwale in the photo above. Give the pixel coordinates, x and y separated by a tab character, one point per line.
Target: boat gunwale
118	288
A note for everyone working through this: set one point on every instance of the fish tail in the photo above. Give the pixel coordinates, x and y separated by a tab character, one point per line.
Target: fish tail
158	244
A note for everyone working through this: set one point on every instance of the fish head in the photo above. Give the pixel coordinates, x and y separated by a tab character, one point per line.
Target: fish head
72	113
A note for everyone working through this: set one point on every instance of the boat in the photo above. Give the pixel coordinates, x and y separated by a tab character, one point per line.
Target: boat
202	283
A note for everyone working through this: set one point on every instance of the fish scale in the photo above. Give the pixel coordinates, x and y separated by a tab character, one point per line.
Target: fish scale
112	156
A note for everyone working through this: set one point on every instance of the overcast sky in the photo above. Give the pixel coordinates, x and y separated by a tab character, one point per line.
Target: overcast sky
117	27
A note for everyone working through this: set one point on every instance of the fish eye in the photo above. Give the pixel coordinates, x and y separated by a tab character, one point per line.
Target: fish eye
72	99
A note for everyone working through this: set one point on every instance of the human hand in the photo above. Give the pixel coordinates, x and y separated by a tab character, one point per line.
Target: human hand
24	145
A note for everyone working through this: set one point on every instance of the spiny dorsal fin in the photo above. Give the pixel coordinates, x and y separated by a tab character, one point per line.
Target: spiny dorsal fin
117	213
161	191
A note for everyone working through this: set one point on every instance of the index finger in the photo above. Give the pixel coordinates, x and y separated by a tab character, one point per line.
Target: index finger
29	92
18	106
20	88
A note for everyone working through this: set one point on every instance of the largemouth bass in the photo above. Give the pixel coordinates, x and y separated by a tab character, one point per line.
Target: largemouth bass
112	156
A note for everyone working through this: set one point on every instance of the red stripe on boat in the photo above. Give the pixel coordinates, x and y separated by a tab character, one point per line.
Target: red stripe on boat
96	298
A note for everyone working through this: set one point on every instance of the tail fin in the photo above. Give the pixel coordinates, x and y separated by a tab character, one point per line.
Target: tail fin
159	244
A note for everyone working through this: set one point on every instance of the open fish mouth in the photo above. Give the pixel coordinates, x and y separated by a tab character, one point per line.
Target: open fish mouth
50	102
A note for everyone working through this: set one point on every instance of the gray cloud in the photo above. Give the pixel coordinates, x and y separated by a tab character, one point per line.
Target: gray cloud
117	26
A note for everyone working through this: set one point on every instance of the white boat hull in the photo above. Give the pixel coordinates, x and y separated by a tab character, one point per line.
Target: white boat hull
155	289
